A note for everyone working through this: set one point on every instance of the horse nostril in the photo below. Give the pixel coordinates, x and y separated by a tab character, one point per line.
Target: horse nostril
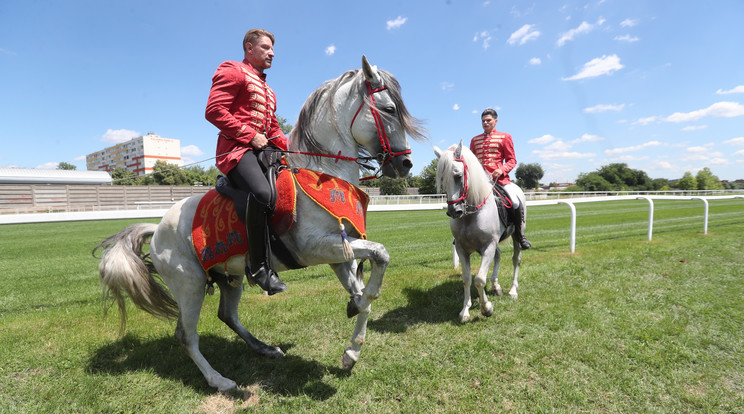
408	163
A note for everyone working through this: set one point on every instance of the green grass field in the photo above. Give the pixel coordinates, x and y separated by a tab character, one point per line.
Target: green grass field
622	325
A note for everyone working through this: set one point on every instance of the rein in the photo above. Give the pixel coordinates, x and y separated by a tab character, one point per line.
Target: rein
464	192
386	155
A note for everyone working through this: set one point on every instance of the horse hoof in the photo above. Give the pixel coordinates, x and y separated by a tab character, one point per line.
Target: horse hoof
513	295
487	311
351	308
272	352
347	362
228	386
498	291
464	318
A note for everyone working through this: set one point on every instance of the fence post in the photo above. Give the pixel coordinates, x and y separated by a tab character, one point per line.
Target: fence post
650	216
573	223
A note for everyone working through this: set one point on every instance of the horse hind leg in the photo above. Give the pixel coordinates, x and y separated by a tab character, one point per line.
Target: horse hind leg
516	261
495	275
188	317
228	313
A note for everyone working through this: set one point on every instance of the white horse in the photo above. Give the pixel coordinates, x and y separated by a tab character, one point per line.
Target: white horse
474	222
362	110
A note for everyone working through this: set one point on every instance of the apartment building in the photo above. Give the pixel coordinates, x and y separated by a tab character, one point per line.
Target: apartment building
138	155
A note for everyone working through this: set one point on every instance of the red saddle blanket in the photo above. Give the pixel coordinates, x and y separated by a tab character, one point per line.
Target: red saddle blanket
218	234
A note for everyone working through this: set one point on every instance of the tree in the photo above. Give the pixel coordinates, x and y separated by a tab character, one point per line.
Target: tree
66	166
593	182
169	174
529	175
392	186
283	125
429	178
122	176
707	181
687	182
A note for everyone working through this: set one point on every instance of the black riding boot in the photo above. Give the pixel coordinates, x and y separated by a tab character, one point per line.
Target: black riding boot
259	268
519	224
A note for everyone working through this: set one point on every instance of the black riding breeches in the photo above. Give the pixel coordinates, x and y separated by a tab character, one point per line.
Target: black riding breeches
249	177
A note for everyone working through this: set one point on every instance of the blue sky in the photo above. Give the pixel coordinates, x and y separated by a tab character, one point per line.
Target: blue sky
658	85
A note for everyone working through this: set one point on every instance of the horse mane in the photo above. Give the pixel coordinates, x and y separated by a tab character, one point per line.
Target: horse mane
301	134
479	185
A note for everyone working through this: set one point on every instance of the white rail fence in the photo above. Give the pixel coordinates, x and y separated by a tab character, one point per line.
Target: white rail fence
155	209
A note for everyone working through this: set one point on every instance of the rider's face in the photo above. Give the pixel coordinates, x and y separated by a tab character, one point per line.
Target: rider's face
488	123
261	53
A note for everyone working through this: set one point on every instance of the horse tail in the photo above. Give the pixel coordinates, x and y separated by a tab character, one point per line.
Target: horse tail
126	270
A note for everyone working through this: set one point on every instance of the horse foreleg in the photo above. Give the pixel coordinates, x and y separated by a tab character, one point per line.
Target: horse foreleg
379	260
466	281
516	261
228	313
188	317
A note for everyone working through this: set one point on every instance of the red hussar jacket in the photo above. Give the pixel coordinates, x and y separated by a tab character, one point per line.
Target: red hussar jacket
241	105
495	151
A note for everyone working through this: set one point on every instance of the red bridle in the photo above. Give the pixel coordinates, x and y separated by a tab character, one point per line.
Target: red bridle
387	154
464	192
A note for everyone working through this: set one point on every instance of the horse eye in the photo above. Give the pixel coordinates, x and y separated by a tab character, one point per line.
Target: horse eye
389	110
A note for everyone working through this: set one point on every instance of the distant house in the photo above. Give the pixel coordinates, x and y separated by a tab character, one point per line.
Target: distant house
38	176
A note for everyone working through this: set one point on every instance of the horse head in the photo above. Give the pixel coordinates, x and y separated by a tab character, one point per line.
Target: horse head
360	116
462	179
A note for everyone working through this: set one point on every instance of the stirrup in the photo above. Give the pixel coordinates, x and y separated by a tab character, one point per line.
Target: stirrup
267	279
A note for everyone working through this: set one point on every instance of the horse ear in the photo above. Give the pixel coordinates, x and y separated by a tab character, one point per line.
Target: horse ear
458	151
370	72
437	152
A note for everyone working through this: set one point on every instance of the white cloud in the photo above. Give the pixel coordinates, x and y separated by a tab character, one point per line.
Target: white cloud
718	110
559	150
523	35
189	152
698	149
545	139
583	28
485	37
738	89
397	23
629	22
7	52
645	121
739	153
627	38
535	61
588	138
604	108
447	86
48	166
694	127
735	141
330	50
604	65
616	151
455	107
117	136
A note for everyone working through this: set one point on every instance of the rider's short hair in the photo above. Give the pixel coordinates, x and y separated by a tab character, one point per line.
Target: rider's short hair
253	34
490	111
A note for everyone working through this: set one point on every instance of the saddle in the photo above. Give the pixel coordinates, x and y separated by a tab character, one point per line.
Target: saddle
219	231
272	164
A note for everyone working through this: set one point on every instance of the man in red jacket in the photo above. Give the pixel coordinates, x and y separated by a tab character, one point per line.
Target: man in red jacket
243	107
495	151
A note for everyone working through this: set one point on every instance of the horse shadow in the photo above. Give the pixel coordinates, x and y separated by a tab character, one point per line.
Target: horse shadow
439	304
287	376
